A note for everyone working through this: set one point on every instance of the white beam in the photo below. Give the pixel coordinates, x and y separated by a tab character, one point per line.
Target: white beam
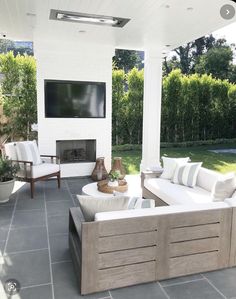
152	109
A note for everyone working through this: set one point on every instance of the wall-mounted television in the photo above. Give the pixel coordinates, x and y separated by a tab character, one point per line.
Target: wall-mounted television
75	99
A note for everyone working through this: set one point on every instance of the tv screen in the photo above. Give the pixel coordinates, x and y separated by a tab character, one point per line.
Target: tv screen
71	99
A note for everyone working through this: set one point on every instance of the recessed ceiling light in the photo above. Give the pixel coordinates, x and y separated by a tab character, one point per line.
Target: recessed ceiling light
189	8
82	31
87	18
168	46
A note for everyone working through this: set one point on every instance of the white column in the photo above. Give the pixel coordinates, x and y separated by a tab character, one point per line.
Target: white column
152	109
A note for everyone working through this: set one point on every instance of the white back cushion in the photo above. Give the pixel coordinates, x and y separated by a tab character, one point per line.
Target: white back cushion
10	151
207	179
28	151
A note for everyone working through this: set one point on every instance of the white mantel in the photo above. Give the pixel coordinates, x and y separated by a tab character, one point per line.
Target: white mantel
75	62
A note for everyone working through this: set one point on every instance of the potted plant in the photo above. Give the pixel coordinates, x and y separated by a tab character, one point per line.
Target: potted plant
113	178
7	178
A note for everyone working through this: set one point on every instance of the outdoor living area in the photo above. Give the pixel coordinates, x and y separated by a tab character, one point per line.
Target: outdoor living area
34	241
82	216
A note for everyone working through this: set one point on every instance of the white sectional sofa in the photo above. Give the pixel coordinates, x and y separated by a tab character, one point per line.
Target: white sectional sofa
187	232
167	193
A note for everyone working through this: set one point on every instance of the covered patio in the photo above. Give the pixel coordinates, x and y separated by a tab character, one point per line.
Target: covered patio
34	233
34	245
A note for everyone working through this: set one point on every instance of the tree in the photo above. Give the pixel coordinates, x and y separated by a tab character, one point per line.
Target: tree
118	92
19	94
217	61
134	105
126	60
189	58
5	45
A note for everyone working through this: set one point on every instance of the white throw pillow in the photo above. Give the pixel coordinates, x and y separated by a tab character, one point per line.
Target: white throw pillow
91	205
28	151
186	174
169	166
224	188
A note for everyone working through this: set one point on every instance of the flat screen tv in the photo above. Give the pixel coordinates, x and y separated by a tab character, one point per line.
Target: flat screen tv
75	99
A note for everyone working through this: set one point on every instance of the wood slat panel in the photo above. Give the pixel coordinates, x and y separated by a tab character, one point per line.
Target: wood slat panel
225	235
195	218
89	257
127	226
126	257
136	240
126	275
195	232
192	247
233	240
193	264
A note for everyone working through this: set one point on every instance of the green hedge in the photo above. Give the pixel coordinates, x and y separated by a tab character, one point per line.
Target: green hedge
194	108
132	147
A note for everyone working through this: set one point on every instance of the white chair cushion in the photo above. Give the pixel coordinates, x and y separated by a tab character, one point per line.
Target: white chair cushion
186	174
174	194
40	170
28	151
169	166
159	211
10	151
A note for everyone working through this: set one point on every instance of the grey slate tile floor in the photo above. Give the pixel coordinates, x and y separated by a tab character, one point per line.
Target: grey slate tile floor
34	247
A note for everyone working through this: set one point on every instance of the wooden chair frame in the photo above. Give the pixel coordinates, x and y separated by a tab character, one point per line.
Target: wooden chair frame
28	178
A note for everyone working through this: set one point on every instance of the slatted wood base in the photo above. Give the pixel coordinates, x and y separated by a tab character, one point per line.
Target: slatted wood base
118	253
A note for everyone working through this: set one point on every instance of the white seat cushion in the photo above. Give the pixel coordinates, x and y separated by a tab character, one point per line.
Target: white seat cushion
40	170
174	194
159	211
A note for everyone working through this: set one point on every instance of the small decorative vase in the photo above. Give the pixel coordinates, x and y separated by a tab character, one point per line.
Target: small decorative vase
113	183
99	173
117	165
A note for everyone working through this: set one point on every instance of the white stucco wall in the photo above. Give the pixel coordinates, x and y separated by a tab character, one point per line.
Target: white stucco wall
78	62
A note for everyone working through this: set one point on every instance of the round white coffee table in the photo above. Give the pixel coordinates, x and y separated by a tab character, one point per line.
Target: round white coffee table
134	188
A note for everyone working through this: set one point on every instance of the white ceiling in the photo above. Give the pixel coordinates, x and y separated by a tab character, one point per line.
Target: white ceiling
154	23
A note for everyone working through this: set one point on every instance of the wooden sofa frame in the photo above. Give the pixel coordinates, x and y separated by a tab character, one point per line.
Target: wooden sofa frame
123	252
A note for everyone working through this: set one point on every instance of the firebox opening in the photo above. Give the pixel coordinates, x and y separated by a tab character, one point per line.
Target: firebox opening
76	151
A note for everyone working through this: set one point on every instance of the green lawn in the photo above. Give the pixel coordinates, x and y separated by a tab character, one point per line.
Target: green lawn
220	162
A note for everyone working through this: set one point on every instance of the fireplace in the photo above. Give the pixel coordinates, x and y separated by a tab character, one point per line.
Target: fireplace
76	151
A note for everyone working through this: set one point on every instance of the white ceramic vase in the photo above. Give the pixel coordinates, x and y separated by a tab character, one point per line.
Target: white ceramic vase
6	190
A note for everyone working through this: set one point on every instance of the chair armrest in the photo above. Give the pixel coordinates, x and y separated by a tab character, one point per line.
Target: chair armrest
52	157
24	162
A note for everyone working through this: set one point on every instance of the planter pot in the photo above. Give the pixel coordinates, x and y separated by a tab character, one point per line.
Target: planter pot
113	184
6	190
